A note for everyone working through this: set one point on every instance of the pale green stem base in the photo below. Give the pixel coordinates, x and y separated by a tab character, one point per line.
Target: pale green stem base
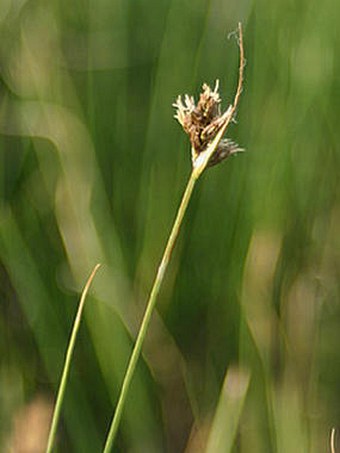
148	312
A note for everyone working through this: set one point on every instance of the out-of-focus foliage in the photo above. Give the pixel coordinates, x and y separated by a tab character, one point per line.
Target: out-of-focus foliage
92	169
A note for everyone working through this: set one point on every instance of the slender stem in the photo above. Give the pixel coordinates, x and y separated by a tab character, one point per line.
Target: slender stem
148	312
67	363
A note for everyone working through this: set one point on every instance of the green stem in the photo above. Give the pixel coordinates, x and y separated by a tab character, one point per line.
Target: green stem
67	363
148	312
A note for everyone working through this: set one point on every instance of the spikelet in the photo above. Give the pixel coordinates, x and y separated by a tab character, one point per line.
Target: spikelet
202	122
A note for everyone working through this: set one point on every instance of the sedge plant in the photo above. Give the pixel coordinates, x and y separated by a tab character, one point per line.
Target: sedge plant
205	124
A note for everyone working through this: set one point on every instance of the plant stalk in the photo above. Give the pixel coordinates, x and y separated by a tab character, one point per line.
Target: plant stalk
67	363
199	165
148	312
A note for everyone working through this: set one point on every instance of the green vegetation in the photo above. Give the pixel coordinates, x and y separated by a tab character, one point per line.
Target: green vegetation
242	352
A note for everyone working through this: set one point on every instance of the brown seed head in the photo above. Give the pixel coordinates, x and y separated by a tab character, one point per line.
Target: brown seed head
202	122
206	124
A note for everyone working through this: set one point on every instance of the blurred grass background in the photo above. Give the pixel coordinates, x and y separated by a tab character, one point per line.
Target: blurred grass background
92	169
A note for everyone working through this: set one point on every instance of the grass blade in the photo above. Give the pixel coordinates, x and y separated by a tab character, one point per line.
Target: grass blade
228	412
67	363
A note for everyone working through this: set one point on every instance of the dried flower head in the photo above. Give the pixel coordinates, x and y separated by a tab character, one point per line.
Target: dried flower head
204	122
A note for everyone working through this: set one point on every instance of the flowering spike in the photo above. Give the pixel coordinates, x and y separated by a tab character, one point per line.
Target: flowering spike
202	122
206	124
